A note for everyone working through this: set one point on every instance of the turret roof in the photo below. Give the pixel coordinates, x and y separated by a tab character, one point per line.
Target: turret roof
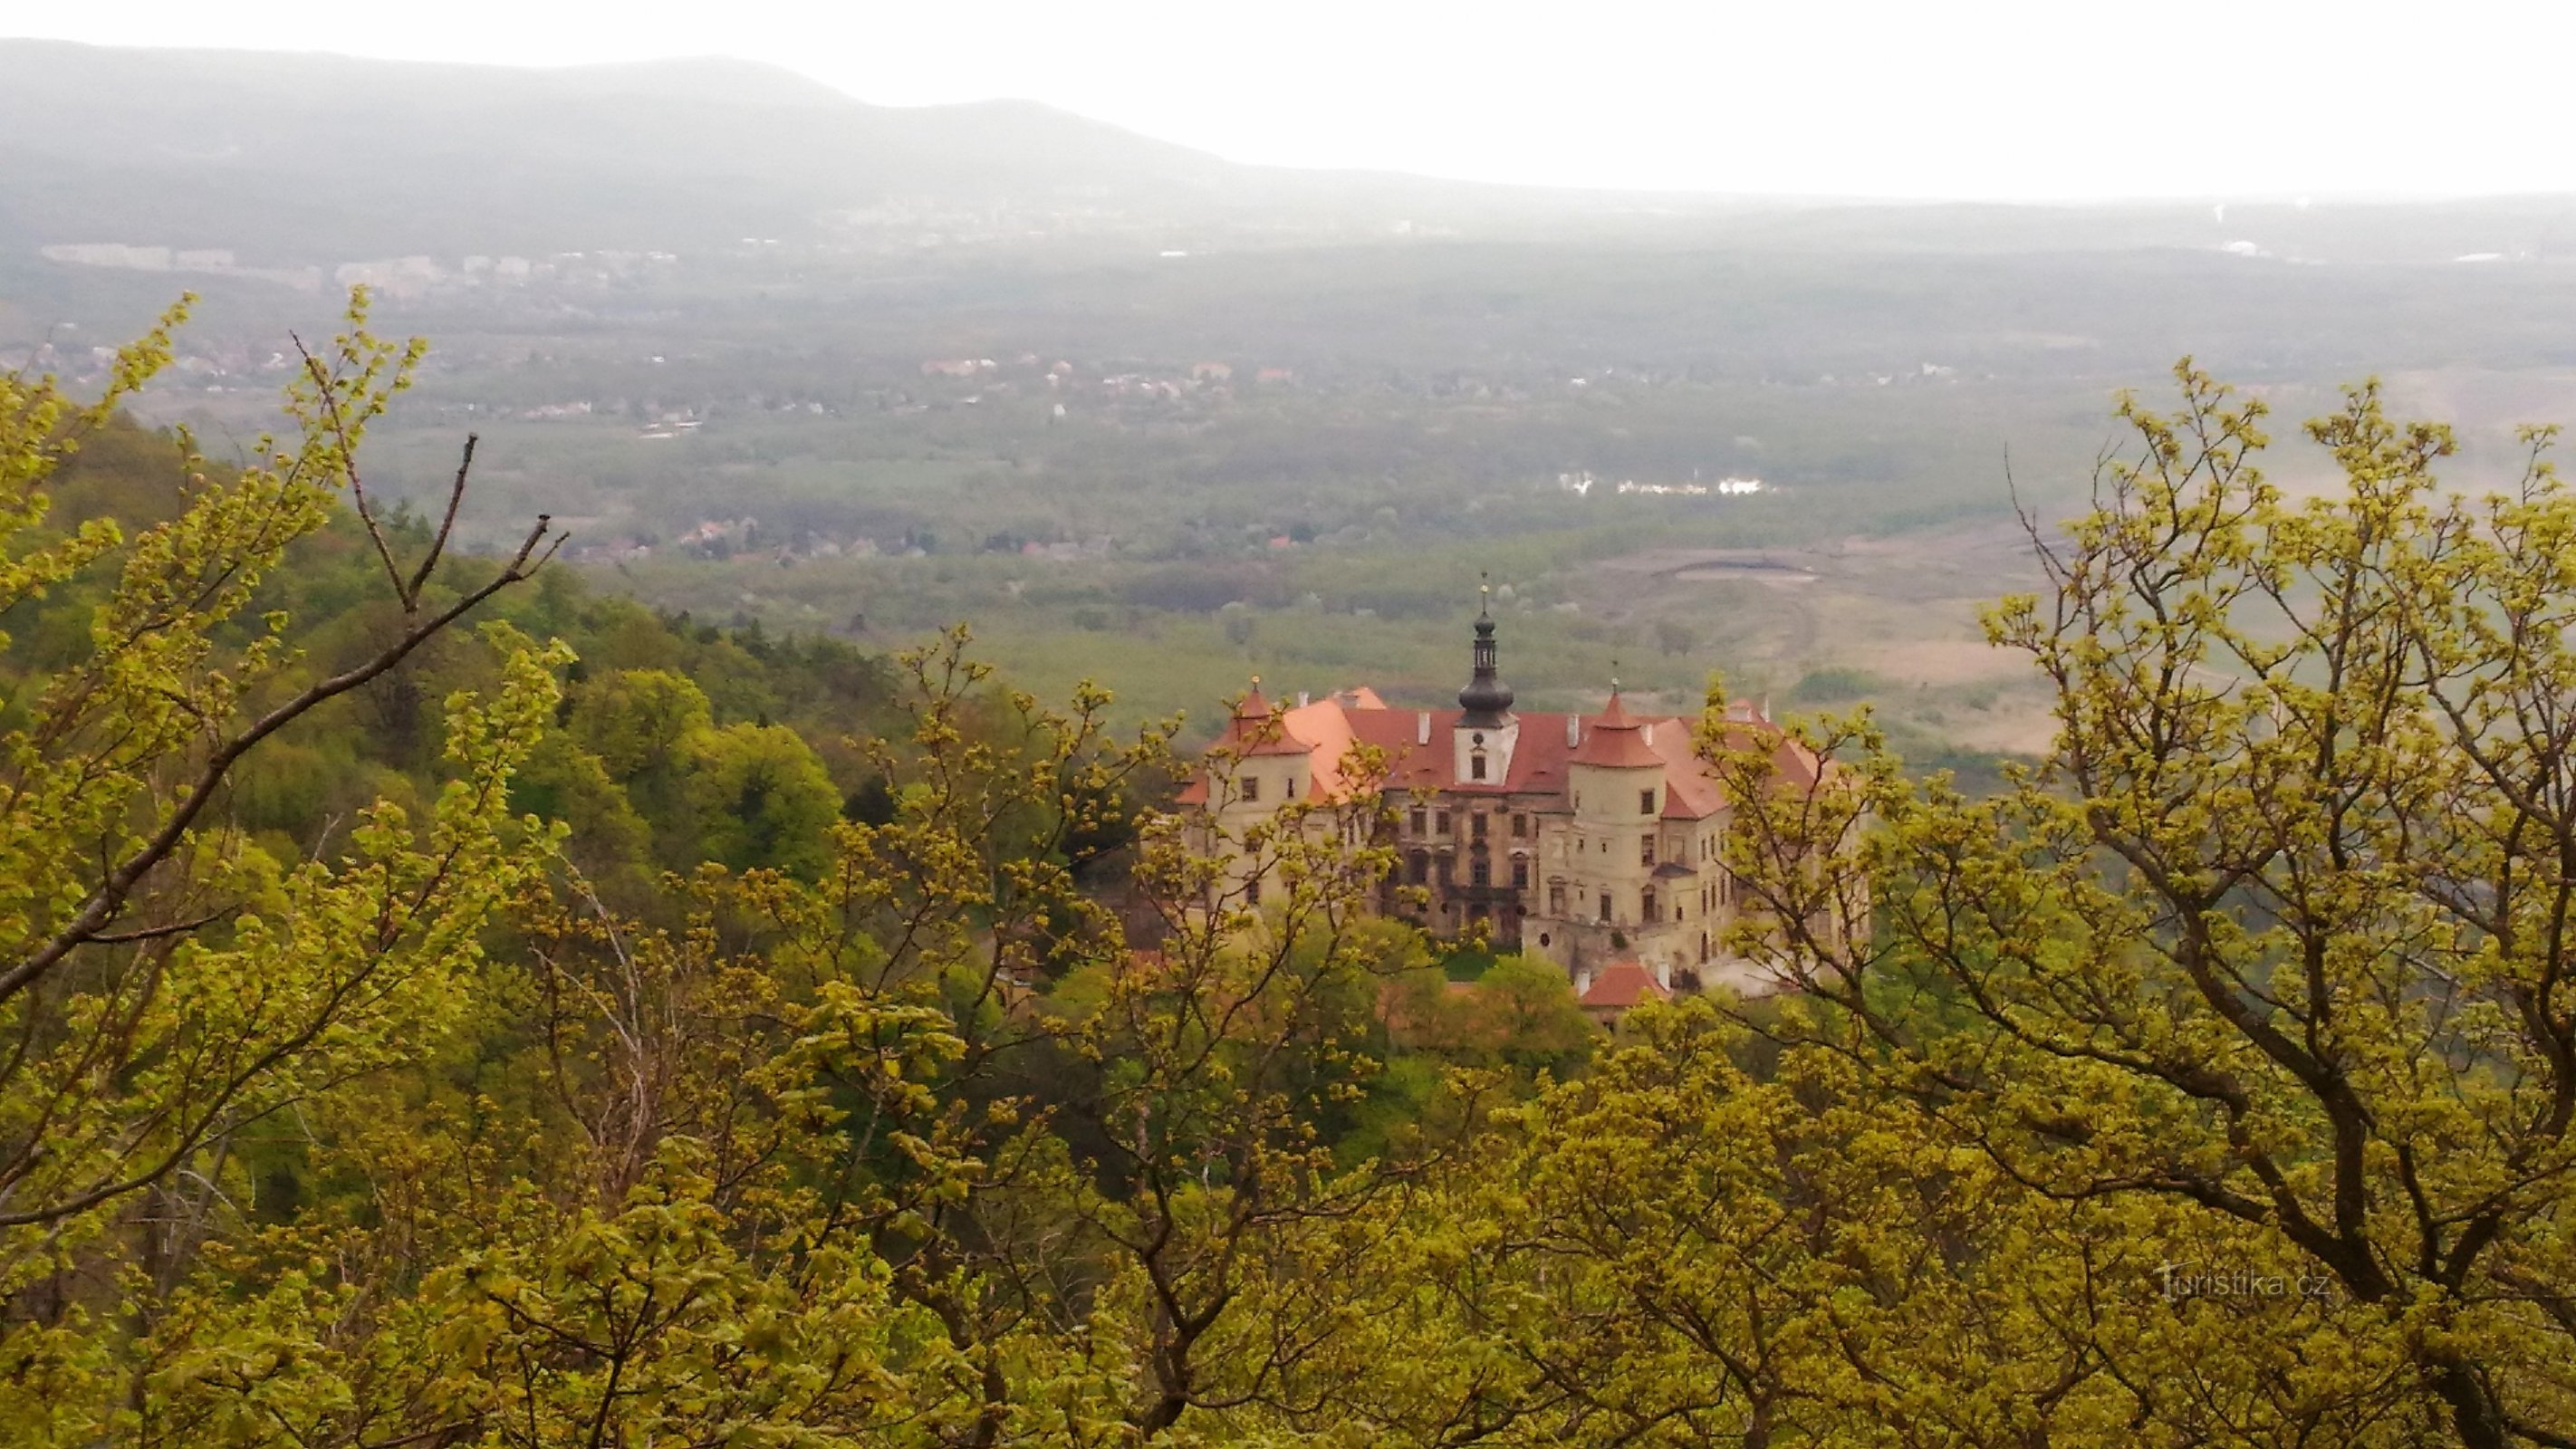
1257	729
1616	740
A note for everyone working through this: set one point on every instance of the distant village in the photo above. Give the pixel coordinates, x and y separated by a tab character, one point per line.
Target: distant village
410	276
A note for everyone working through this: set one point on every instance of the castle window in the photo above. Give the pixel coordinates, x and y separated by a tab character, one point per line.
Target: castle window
1476	765
1479	872
1646	905
1419	819
1556	900
1252	891
1646	849
1440	822
1605	908
1476	826
1542	938
1520	872
1520	827
1646	802
1251	788
1419	868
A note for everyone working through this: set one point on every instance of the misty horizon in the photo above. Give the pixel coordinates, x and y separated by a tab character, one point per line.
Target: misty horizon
1997	102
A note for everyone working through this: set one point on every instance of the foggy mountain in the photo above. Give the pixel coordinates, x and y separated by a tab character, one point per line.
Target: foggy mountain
305	160
290	159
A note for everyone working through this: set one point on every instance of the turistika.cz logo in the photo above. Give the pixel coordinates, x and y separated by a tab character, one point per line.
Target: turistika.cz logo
2192	1280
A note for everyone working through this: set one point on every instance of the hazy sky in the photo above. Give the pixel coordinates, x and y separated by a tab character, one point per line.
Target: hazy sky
1978	98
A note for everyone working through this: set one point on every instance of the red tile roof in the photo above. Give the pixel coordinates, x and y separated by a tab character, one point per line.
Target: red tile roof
1417	747
1616	740
1622	984
1256	729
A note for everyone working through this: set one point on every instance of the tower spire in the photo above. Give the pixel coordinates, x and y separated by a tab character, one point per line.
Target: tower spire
1486	699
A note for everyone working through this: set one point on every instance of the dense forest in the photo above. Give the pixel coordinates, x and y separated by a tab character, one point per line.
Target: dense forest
447	1005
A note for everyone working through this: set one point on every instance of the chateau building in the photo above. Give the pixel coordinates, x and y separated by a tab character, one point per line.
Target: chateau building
1587	839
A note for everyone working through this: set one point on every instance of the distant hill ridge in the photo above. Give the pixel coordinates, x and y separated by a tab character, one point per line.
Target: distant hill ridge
291	158
299	163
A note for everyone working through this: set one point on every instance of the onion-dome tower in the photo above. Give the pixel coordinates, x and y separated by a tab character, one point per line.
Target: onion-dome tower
1486	700
1487	731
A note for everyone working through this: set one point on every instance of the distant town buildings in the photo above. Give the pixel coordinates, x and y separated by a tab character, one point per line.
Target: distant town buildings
406	276
1580	484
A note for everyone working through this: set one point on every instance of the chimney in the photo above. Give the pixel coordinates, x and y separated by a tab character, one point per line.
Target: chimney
1422	728
1301	699
1583	981
1573	730
1664	974
1650	732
